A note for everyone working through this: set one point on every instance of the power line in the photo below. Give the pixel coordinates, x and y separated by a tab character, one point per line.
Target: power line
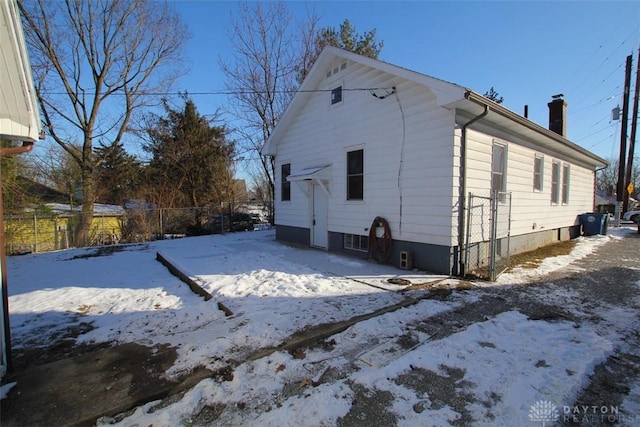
600	101
598	85
239	91
581	67
592	73
593	133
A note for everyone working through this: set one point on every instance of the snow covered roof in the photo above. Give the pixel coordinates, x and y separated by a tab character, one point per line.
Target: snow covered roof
98	209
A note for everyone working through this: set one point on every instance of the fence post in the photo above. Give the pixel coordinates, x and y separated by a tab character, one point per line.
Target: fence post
493	235
469	208
35	232
56	234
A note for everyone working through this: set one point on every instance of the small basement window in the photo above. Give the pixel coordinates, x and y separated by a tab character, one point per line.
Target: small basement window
356	242
336	95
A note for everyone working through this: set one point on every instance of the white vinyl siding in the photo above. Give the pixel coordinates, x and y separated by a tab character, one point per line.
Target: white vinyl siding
412	153
321	135
530	210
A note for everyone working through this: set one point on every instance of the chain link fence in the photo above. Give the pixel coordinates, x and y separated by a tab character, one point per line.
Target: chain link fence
487	250
45	231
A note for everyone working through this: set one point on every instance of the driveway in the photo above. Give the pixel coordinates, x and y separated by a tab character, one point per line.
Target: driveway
506	354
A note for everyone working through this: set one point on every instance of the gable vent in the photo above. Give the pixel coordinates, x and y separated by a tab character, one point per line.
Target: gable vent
336	69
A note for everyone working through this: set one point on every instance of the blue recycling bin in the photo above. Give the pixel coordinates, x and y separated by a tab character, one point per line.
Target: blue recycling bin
593	224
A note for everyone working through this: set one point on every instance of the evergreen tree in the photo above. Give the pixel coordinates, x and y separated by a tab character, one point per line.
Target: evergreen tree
494	96
117	175
345	37
191	161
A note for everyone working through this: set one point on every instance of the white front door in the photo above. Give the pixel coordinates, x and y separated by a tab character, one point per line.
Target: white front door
319	221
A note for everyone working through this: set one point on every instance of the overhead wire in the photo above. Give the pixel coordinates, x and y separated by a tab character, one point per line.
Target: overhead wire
605	60
239	91
582	66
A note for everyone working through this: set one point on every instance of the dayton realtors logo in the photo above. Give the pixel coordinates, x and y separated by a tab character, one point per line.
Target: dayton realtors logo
546	412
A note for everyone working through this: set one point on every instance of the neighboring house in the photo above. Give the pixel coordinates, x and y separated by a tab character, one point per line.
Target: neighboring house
51	228
607	204
364	139
19	121
48	223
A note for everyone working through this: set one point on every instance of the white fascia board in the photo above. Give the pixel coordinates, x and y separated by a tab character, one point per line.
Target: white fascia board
19	116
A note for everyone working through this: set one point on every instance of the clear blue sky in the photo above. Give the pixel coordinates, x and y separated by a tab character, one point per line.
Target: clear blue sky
528	51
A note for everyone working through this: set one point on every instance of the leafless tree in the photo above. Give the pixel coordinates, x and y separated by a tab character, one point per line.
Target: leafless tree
607	179
268	47
97	62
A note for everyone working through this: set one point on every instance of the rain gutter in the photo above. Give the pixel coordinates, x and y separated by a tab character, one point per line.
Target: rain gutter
504	112
463	189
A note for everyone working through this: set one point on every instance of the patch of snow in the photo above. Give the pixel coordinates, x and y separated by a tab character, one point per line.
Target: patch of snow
5	389
508	362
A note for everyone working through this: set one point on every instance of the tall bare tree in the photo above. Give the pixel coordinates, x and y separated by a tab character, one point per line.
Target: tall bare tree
272	53
267	47
96	62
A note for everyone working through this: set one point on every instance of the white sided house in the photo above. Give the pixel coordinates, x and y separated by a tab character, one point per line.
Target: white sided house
19	121
447	174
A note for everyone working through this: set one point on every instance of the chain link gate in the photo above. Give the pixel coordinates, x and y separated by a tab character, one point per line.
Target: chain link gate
486	253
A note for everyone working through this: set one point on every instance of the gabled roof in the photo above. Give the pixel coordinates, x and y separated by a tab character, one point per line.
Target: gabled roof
41	192
64	209
448	95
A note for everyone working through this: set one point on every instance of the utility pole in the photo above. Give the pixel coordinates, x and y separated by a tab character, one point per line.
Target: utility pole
620	190
632	138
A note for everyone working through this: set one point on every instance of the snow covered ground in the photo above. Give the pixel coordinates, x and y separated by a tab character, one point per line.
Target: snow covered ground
502	365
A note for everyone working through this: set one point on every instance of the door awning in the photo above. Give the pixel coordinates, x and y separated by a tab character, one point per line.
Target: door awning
310	174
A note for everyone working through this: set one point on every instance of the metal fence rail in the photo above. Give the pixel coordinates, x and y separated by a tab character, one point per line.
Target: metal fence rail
488	234
41	231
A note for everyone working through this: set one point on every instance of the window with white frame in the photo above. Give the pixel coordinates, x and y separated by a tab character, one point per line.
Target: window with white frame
355	175
538	172
356	242
336	95
499	168
555	182
285	186
565	183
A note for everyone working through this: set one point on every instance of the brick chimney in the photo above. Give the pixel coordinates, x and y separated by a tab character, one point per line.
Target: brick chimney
558	115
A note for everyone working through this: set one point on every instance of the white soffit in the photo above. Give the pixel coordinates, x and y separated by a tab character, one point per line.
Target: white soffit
19	117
